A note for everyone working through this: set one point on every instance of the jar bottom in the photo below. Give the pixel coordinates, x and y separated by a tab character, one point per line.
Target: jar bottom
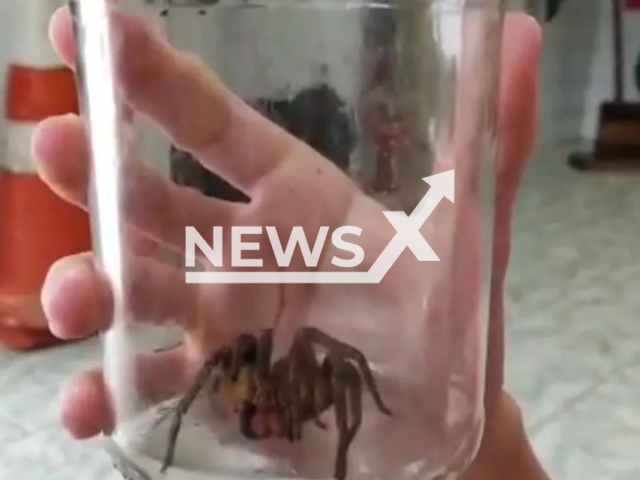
139	447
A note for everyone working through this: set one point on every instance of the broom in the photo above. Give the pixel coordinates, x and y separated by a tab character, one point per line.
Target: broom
617	145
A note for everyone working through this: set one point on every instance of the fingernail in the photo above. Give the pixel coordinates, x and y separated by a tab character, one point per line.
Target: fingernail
63	275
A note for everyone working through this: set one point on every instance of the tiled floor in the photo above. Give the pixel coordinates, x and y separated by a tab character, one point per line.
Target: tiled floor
573	338
34	447
574	331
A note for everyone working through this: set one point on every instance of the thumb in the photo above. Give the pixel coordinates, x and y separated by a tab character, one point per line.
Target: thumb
516	131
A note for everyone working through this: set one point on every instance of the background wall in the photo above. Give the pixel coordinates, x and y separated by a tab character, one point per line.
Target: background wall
576	72
566	70
14	22
575	75
601	71
8	29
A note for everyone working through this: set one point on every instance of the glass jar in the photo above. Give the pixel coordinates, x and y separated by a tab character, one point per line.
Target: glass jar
292	201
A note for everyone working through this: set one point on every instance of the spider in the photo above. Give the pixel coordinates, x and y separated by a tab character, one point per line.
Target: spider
274	401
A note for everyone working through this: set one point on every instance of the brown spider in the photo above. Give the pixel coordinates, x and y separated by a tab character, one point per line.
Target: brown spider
274	401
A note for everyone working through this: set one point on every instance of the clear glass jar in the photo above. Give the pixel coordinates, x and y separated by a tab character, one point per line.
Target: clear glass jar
293	202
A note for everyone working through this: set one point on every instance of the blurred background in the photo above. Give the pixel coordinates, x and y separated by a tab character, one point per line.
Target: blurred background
573	335
573	332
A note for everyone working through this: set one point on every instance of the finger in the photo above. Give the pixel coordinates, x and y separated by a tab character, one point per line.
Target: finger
518	113
517	119
78	302
153	204
87	407
61	35
188	101
517	125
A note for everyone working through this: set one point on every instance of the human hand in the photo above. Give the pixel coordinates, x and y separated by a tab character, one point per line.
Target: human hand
505	452
77	299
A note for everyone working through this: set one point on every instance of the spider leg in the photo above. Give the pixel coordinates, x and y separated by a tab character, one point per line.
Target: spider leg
322	398
305	381
280	372
293	394
163	414
248	411
288	422
221	356
215	385
244	353
265	396
347	396
355	401
320	424
265	351
288	417
314	335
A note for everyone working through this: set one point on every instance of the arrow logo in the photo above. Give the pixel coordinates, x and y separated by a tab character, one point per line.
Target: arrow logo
407	236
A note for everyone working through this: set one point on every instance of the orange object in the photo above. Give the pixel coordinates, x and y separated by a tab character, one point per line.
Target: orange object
26	338
38	93
36	227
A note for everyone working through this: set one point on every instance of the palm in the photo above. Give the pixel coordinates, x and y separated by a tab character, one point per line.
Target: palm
223	312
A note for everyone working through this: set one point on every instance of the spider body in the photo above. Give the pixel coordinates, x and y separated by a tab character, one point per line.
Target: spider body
275	400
